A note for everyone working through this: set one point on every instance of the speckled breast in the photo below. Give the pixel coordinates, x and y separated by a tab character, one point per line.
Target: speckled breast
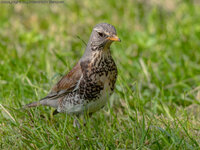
95	86
99	77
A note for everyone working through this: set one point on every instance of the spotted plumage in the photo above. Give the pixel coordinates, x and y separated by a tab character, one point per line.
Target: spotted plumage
89	84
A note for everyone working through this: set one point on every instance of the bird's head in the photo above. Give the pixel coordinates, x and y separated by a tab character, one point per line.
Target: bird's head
102	36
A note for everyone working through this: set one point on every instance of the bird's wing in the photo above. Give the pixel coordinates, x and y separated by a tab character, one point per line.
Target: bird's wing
67	83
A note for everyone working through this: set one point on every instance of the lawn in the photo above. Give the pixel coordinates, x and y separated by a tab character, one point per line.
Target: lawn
156	103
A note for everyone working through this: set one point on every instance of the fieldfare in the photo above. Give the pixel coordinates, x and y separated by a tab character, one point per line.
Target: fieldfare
88	85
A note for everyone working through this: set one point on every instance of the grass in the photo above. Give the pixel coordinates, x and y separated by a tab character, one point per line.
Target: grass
157	96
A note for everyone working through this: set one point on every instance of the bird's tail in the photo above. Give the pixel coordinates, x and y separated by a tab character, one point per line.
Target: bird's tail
33	104
44	102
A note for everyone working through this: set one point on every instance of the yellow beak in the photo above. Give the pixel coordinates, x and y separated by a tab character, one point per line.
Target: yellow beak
114	38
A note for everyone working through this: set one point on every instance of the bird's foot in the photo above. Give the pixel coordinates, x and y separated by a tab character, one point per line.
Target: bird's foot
76	123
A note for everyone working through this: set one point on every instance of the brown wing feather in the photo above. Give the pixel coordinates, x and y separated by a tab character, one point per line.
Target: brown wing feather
68	81
66	84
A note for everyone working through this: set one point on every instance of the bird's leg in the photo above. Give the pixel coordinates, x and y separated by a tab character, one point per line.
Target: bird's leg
76	121
86	117
55	112
90	114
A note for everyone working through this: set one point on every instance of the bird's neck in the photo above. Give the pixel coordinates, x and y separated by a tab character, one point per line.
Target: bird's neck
90	52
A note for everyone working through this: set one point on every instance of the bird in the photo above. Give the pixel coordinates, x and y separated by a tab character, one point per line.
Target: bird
90	83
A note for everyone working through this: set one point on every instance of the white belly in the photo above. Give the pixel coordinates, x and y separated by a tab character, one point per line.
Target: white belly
92	106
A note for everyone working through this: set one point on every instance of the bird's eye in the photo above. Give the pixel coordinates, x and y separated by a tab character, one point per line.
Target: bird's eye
101	34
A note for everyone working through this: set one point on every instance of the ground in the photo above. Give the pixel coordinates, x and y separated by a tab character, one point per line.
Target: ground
156	104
